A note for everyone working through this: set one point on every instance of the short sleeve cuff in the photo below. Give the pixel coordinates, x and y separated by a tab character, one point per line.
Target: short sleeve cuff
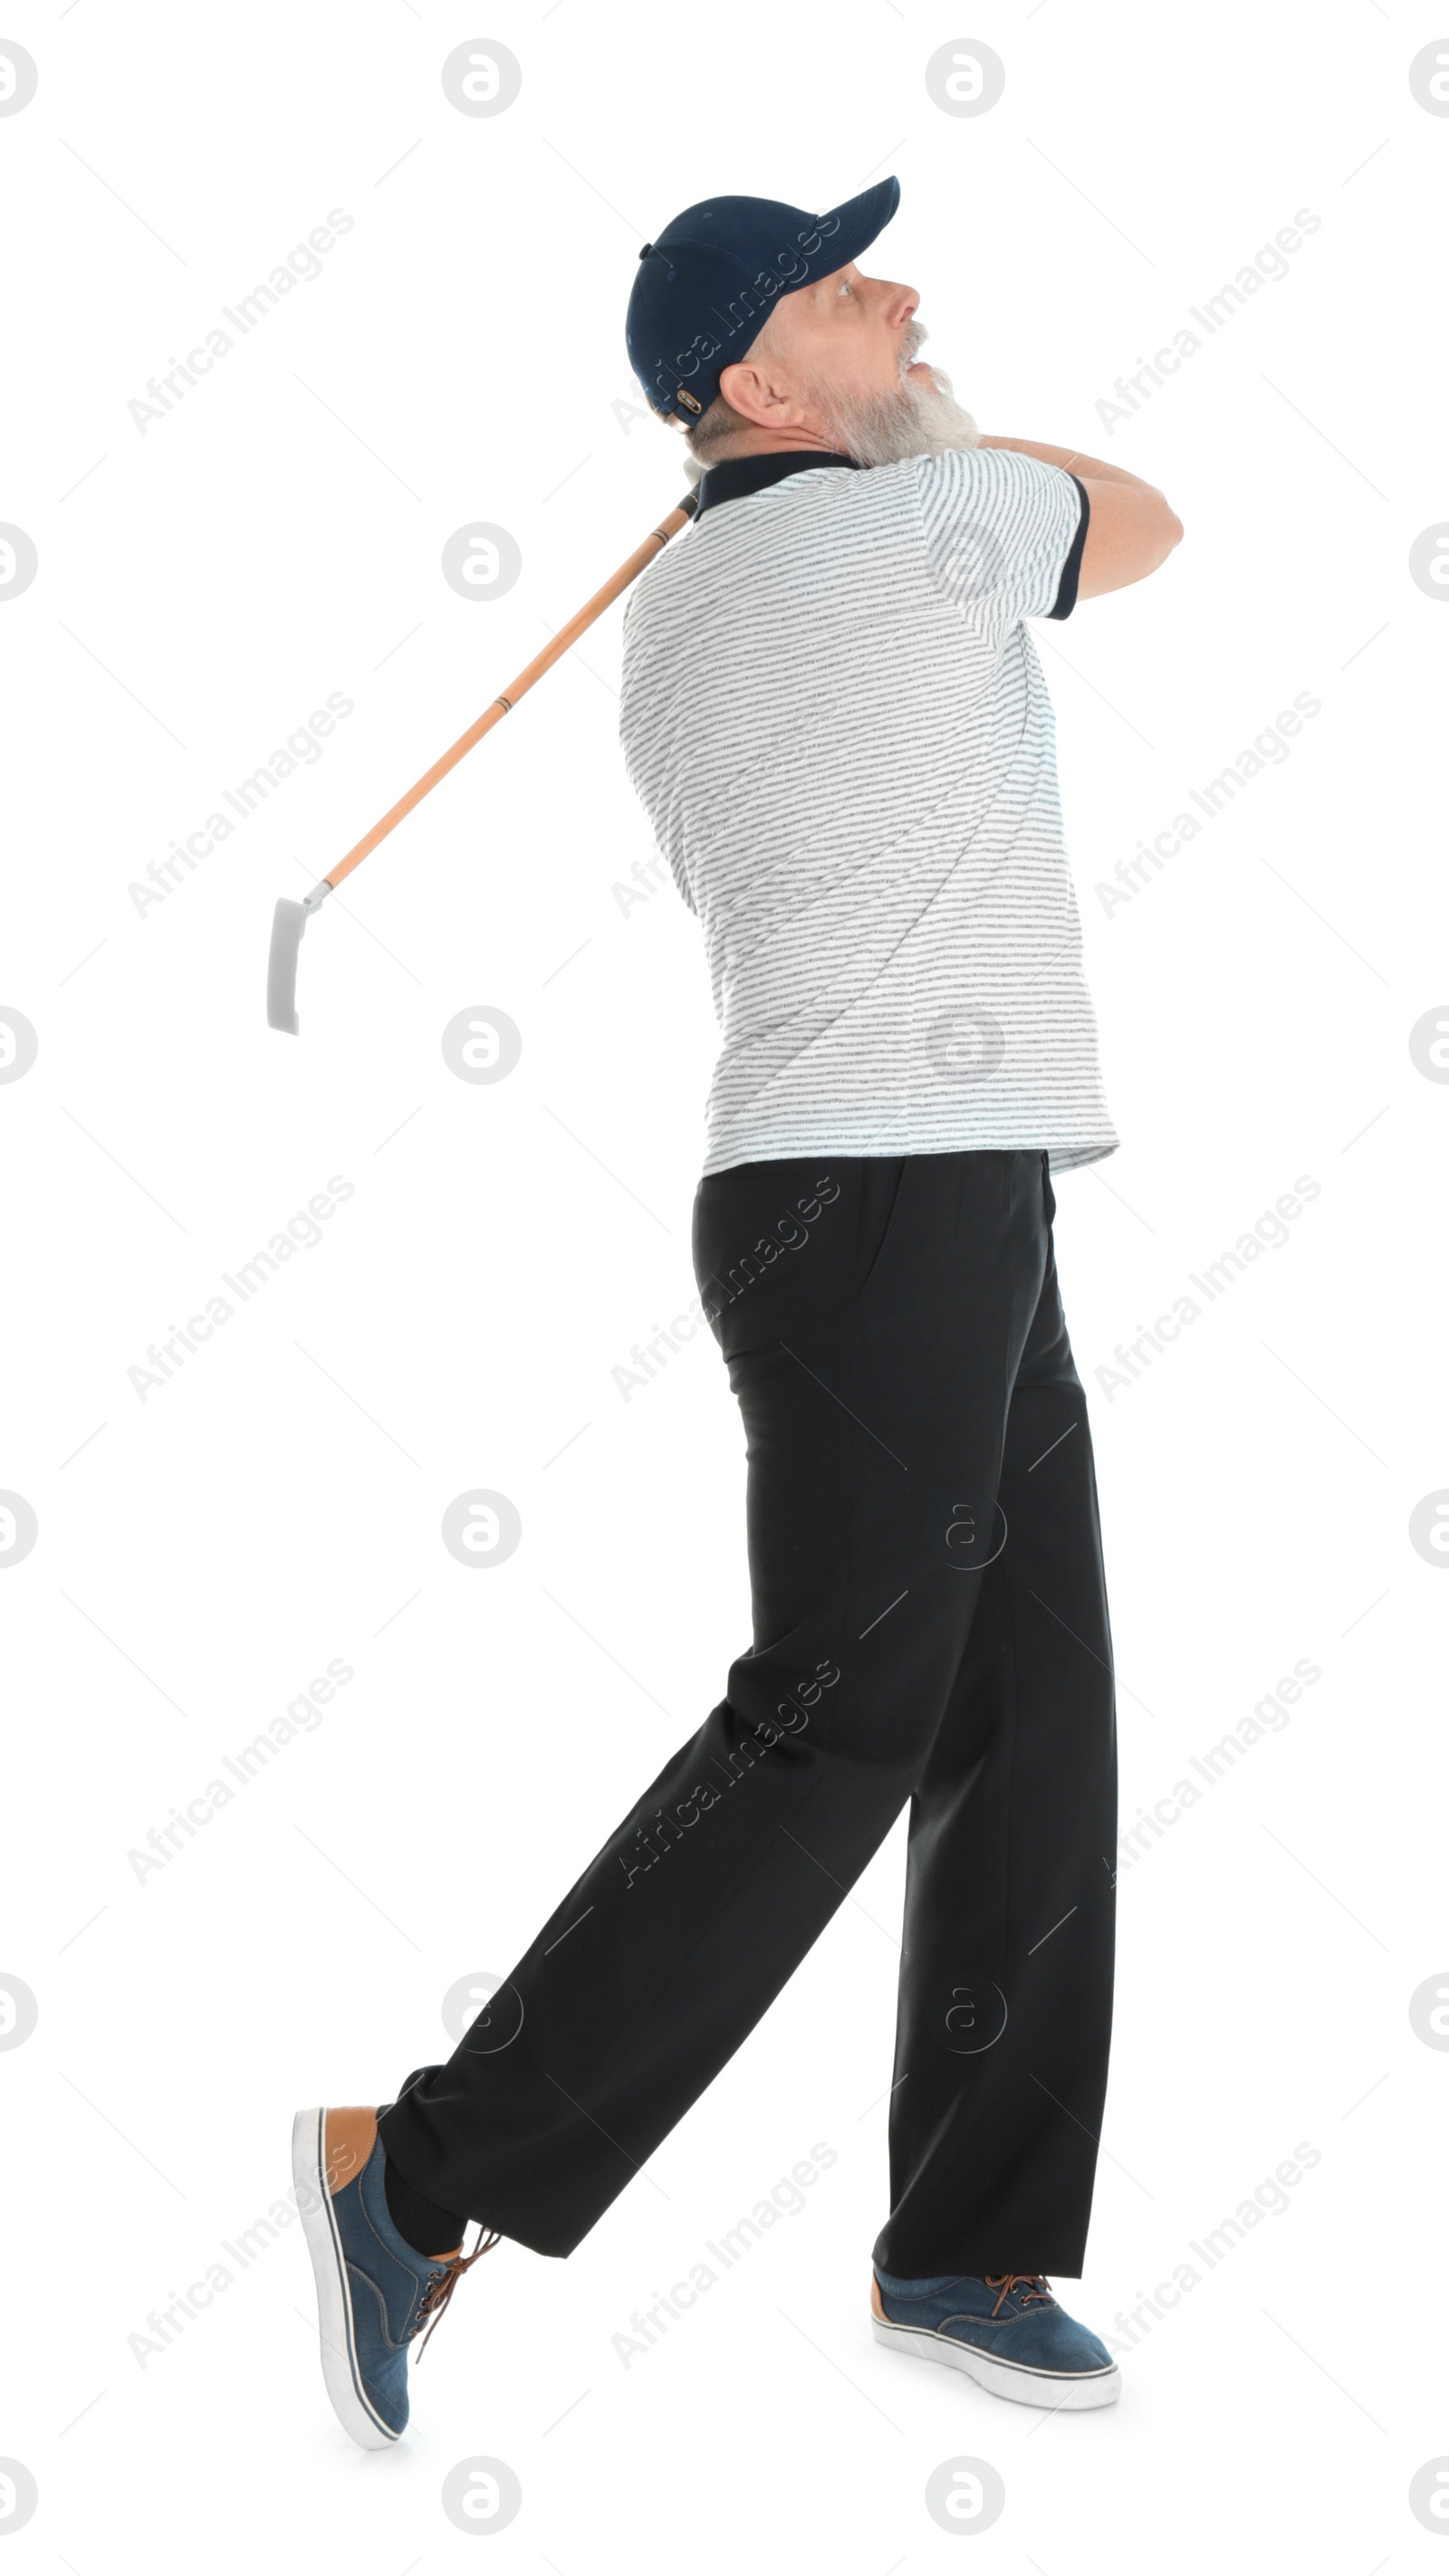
1066	598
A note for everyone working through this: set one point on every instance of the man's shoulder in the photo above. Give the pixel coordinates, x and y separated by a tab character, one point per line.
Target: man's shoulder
799	510
983	474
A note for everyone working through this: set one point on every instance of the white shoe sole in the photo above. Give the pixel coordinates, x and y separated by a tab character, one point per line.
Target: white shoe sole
350	2403
1048	2388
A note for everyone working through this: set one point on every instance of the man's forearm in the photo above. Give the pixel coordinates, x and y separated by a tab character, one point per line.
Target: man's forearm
1072	461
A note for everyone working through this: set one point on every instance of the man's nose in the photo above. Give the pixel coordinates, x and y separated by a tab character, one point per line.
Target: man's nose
900	303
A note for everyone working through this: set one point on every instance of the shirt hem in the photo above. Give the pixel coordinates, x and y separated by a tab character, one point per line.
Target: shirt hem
1063	1157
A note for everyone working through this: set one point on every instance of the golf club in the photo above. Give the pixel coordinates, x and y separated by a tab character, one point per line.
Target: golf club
290	918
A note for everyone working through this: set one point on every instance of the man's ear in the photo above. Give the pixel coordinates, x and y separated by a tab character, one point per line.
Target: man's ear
750	393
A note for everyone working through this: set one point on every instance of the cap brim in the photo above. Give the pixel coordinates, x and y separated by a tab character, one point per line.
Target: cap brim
856	225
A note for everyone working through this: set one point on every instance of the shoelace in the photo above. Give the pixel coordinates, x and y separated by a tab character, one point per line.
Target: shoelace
1032	2285
442	2285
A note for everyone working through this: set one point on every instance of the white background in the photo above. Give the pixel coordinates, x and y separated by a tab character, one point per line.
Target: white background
201	588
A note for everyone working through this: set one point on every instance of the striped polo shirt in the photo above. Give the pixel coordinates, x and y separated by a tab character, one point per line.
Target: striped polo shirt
837	724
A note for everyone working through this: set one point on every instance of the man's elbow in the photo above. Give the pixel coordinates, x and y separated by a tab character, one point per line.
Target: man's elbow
1165	533
1130	537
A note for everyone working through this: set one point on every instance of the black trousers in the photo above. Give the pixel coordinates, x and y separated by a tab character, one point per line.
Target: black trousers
930	1625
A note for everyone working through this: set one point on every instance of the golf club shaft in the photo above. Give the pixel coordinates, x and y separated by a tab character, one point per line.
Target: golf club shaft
508	698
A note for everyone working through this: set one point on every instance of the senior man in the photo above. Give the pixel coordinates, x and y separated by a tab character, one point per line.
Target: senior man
836	720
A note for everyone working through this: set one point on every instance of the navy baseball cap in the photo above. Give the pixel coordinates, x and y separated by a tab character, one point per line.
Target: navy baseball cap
707	287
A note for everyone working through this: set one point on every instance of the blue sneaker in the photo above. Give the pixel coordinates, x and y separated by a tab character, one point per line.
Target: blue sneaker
1006	2332
374	2294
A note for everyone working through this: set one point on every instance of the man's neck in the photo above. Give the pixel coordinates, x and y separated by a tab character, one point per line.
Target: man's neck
772	442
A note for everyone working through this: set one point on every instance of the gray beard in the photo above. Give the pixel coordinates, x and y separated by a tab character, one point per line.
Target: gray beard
916	419
884	429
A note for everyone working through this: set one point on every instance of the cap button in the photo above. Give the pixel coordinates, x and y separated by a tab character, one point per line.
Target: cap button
648	246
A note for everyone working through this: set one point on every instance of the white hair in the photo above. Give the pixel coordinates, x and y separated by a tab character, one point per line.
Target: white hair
721	422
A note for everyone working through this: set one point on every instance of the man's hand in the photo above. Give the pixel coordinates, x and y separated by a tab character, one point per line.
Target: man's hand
1132	527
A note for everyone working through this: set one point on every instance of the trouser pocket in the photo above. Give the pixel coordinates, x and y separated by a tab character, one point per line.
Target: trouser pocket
880	1181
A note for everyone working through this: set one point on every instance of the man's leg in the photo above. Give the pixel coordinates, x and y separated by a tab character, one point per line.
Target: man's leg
873	1314
1006	1972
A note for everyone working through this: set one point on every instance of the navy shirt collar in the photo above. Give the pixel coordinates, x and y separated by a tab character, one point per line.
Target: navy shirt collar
735	476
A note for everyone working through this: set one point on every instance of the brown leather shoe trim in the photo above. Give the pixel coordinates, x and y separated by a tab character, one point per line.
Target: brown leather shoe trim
348	2139
876	2308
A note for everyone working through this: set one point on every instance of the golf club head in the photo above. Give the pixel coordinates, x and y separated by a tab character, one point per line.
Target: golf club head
288	923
